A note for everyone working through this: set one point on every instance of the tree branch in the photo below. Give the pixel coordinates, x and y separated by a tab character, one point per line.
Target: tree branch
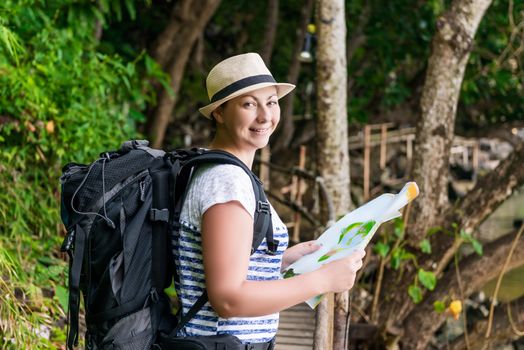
423	321
271	31
188	34
491	191
502	328
162	48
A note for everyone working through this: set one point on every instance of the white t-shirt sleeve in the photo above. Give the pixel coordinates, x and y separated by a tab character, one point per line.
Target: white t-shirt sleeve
223	183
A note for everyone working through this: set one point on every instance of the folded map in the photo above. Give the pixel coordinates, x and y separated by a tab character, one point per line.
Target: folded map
352	232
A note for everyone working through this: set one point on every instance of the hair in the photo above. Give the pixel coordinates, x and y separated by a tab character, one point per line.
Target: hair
214	121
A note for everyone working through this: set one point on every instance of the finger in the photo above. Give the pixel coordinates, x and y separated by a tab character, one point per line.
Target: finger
357	265
357	255
313	246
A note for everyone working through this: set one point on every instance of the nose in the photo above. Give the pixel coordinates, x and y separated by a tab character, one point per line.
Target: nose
263	114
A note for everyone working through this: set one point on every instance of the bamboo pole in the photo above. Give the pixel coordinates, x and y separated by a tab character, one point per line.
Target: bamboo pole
409	148
298	196
383	143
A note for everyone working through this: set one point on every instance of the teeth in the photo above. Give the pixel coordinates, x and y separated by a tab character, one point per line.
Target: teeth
260	130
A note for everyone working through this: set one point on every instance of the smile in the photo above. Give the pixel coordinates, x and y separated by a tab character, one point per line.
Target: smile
260	131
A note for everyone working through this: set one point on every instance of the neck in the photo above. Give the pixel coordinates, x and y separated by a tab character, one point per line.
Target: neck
245	156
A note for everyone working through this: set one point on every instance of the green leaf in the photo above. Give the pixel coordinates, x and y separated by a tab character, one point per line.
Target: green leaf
395	259
425	246
439	306
415	293
381	249
465	236
62	295
434	229
427	278
477	246
399	228
405	255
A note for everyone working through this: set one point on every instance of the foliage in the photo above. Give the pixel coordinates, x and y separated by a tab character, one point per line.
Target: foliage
61	100
495	74
75	80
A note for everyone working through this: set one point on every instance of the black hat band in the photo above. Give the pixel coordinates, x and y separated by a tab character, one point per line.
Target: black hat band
240	84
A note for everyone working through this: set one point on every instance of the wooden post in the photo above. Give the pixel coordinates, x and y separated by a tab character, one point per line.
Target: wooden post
324	323
383	144
465	156
409	147
367	149
298	196
475	157
265	156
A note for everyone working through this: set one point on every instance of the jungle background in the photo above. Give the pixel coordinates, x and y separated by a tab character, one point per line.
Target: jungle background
78	77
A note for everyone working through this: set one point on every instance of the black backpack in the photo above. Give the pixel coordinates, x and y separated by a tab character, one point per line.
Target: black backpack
120	212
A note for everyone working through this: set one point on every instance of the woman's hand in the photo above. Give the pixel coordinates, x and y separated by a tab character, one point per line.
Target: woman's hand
339	275
297	251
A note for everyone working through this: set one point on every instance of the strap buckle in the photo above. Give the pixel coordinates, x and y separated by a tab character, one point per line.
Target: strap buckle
263	207
68	242
159	215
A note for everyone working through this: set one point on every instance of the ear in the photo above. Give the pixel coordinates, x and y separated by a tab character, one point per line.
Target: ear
218	115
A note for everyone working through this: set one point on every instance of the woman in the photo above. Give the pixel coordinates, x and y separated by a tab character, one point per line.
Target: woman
213	249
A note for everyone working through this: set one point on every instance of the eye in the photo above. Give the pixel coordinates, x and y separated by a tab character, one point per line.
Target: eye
272	103
249	104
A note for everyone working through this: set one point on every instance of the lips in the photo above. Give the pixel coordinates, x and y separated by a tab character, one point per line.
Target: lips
260	131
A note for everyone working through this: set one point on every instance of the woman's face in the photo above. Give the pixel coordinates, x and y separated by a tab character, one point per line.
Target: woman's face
248	120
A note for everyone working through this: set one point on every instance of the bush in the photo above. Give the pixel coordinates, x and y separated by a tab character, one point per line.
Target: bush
61	100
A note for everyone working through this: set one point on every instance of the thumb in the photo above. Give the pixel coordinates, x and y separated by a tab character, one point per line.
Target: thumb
313	246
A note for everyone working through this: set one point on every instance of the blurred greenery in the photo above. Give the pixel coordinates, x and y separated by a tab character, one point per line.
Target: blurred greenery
60	100
76	79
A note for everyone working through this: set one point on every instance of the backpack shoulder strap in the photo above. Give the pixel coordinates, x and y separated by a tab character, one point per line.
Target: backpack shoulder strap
263	227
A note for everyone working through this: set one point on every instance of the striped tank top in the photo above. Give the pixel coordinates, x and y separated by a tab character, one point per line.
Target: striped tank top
210	185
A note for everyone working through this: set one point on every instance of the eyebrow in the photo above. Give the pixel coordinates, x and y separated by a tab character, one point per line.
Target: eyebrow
253	97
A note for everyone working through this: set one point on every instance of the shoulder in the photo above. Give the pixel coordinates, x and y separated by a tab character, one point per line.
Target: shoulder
222	169
221	183
225	176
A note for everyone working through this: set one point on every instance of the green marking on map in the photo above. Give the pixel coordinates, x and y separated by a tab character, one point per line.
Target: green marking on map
350	240
329	254
289	273
366	228
347	229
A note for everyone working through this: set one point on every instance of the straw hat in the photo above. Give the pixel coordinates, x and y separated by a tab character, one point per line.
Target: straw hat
236	76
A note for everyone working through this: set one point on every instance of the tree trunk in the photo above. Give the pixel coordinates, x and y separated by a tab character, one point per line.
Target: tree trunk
287	126
187	34
270	30
332	129
475	271
451	47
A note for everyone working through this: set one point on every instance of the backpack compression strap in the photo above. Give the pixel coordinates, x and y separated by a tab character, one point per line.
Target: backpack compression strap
76	258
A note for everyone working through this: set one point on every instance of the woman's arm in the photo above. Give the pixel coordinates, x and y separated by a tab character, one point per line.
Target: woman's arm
227	231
